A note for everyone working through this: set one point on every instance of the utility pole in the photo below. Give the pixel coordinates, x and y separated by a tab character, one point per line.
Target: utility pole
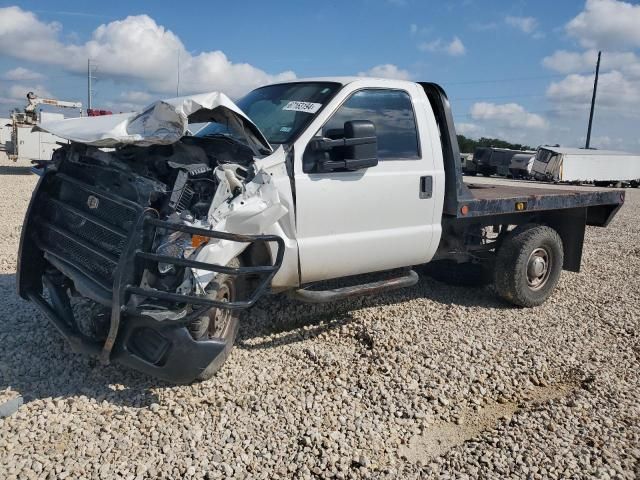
88	83
91	68
178	77
593	101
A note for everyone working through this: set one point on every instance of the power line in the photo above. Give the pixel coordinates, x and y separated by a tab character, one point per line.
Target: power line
558	111
503	80
496	97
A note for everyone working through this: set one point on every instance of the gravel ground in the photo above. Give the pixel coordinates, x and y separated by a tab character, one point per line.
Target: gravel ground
432	381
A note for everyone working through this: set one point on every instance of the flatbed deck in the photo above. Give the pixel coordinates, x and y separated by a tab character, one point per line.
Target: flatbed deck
495	199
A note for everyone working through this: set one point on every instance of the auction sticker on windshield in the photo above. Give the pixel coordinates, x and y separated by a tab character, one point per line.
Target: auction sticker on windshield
297	106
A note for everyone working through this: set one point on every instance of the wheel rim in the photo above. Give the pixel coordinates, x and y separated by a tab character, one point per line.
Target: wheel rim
220	318
538	268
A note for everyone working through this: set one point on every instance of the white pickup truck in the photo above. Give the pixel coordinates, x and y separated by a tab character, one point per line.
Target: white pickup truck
149	238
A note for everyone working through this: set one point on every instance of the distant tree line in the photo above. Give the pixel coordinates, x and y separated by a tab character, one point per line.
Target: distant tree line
468	145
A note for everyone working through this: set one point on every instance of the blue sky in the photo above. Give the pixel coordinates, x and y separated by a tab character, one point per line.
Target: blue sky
519	70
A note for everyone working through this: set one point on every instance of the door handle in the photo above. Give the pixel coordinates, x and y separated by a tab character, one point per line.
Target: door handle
426	186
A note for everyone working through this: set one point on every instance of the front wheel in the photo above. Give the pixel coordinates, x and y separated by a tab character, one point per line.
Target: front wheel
528	265
219	323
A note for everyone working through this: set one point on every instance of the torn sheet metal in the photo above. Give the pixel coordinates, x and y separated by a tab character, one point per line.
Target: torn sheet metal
161	123
253	211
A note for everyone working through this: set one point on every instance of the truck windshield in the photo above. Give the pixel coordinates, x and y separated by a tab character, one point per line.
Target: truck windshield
280	111
544	155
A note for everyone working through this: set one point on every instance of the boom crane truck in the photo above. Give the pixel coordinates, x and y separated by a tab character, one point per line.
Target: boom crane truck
31	113
27	145
166	237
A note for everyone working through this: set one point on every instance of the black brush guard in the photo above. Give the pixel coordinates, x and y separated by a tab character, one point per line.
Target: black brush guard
112	268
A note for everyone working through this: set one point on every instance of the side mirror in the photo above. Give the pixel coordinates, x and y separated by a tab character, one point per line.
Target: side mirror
357	150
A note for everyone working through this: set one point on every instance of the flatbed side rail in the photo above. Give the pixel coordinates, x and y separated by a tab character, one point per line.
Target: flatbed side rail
537	202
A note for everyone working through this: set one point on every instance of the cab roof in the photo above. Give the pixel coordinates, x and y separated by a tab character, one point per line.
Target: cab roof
345	80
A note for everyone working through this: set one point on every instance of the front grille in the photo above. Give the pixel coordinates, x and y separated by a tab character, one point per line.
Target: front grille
84	227
76	253
74	221
106	209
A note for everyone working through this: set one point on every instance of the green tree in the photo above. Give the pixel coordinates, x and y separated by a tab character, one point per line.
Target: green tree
468	145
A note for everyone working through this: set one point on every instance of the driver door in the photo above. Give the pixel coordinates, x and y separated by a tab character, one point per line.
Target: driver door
371	219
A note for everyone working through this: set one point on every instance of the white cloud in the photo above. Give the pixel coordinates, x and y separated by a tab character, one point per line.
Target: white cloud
615	91
135	97
607	24
509	115
19	91
414	29
524	24
577	62
611	26
468	129
455	48
605	141
21	74
133	48
387	70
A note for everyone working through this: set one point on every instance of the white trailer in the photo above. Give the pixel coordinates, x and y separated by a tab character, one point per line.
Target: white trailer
577	165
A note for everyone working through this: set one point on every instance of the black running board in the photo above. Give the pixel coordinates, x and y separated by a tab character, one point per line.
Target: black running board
409	279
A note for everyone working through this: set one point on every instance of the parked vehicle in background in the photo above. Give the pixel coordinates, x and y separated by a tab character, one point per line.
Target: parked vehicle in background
25	143
468	167
578	165
495	161
521	165
162	237
482	161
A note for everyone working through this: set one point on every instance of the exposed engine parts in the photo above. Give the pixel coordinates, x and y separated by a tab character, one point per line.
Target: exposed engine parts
196	183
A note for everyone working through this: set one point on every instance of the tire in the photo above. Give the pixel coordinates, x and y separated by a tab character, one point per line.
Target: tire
458	274
528	265
220	323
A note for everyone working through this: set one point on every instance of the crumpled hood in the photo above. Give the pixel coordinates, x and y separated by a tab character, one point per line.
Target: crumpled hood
161	123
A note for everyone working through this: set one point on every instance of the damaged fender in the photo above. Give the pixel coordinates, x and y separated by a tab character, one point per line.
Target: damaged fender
256	210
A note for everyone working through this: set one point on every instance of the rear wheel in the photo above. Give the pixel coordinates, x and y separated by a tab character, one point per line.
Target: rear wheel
528	265
219	323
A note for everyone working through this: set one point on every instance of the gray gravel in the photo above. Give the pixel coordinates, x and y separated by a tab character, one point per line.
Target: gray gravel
432	381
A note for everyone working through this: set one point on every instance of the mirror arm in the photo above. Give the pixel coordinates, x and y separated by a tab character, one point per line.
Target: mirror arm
326	144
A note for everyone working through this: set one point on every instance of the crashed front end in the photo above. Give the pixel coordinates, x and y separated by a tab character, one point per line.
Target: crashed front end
120	245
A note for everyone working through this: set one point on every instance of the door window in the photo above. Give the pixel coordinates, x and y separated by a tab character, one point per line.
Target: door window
392	114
